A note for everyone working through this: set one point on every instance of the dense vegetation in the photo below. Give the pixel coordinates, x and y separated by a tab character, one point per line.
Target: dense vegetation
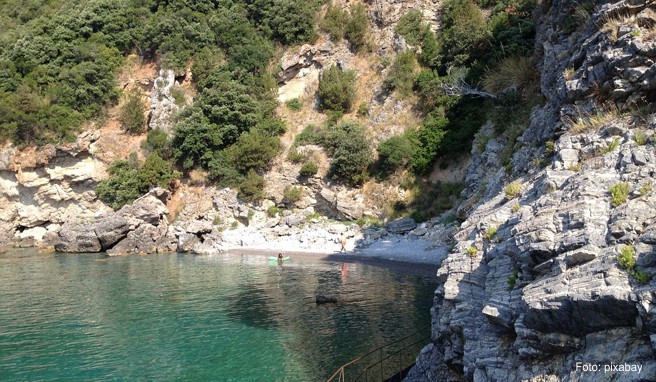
467	44
58	59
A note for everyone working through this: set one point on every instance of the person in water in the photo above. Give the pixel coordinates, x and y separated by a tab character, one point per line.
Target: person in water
343	242
280	257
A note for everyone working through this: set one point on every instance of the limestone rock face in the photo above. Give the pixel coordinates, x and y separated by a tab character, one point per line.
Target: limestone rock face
162	103
44	188
547	290
77	238
138	228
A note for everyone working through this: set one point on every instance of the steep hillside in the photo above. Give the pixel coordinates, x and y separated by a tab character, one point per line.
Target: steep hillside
554	266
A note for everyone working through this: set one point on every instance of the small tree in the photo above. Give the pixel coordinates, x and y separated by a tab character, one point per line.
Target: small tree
350	151
251	188
357	26
131	114
308	169
337	90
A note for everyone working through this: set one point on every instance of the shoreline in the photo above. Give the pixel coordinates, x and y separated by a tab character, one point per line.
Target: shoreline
404	266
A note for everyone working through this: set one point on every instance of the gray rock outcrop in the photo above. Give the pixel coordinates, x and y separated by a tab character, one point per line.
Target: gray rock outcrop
547	290
138	228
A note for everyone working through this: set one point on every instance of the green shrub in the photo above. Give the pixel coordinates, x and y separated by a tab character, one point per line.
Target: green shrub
619	193
472	251
363	109
288	21
155	172
158	141
512	190
402	74
178	96
337	90
411	27
309	169
272	211
251	188
640	276
464	31
132	115
128	181
311	134
491	232
357	27
122	187
335	22
430	137
350	153
339	24
369	221
294	104
418	34
254	150
397	151
292	194
626	258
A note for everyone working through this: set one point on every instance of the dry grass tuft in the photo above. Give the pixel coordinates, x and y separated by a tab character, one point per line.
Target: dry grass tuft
513	73
593	122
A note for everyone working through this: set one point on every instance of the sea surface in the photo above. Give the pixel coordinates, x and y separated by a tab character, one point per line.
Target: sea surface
181	317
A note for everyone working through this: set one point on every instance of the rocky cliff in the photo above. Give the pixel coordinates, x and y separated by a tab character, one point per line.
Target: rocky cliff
538	286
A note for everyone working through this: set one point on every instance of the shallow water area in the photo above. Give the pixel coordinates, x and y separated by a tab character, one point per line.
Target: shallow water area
182	317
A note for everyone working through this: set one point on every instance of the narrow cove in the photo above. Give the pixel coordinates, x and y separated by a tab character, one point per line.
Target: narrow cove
183	317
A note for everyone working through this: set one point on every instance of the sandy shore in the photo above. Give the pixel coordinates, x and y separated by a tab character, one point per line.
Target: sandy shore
419	257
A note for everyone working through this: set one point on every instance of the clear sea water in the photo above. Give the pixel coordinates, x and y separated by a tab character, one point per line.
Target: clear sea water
191	318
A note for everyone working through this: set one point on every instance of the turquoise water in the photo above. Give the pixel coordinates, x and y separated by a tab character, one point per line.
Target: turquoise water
181	317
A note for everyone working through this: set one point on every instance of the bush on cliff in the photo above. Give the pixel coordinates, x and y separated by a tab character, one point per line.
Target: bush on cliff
350	152
337	90
129	180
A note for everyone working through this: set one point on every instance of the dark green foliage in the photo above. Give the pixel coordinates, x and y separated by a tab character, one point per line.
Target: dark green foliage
464	32
308	169
222	171
412	27
311	134
350	153
294	104
254	150
429	200
402	74
132	113
430	88
251	188
418	34
339	23
397	151
288	21
205	62
272	126
430	137
158	142
58	60
337	90
155	172
357	27
122	187
195	140
128	181
335	22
